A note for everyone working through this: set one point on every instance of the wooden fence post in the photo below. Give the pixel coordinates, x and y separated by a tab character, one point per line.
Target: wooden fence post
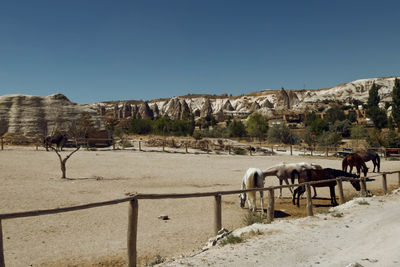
398	178
2	262
363	187
140	145
384	184
250	151
309	201
132	232
218	214
270	206
340	187
113	143
2	143
291	150
229	152
327	151
186	147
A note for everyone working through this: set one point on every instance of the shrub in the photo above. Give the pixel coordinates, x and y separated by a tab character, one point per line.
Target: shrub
252	218
231	239
239	151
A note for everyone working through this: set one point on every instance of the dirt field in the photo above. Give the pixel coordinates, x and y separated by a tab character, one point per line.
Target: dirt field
97	237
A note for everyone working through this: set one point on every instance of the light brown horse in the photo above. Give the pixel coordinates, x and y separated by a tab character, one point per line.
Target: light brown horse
354	160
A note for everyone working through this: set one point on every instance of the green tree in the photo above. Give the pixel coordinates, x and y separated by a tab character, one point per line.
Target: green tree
373	96
257	126
358	132
140	126
309	118
236	129
319	125
334	114
392	139
343	127
309	138
396	103
280	133
375	138
376	114
329	139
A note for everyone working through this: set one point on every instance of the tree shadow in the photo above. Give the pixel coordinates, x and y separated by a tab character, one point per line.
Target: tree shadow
93	178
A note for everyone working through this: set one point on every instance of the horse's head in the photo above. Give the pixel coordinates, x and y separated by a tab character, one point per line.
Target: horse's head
356	185
242	197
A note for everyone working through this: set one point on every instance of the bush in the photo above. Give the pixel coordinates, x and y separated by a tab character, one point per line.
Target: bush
252	218
231	239
239	151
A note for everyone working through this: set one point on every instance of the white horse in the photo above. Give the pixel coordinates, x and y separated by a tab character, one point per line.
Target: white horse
284	171
253	178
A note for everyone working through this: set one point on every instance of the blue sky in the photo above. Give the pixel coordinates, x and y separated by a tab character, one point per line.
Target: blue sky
117	50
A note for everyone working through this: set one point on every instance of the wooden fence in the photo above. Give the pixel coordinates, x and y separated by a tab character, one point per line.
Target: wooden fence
134	207
250	149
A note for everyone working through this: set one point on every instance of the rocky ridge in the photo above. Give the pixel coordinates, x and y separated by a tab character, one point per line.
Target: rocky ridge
38	116
267	102
35	116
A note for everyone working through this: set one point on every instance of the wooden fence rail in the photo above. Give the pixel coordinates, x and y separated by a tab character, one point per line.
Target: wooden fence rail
133	210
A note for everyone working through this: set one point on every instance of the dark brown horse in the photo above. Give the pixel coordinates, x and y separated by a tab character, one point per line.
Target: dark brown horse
354	160
319	175
59	139
373	156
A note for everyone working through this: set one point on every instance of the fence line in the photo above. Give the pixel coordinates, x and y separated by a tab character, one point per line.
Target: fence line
134	207
251	148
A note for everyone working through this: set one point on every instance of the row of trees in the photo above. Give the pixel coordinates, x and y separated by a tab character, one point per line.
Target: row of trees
379	115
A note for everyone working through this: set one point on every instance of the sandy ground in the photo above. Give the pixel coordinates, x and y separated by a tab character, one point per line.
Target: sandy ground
365	231
30	180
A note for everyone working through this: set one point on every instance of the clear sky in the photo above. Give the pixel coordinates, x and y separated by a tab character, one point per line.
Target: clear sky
97	50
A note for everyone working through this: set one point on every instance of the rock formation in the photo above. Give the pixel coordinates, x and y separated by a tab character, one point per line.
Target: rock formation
35	116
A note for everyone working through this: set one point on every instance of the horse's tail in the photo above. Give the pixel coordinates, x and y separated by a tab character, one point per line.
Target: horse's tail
255	179
378	162
292	175
344	164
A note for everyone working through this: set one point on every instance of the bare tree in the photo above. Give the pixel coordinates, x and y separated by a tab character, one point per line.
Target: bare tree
63	161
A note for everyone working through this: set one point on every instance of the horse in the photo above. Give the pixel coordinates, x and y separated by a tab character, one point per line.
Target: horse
59	140
253	178
322	174
373	156
354	160
284	171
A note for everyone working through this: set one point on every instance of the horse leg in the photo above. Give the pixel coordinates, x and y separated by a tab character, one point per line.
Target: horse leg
253	201
351	168
315	192
280	189
378	162
333	195
301	191
287	182
294	195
